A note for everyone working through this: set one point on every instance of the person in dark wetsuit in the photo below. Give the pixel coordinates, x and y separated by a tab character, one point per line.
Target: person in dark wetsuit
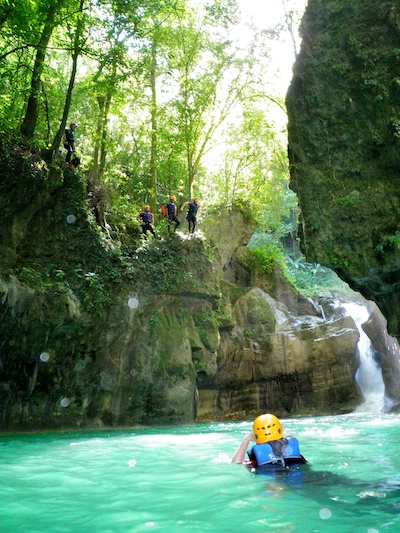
146	220
267	430
191	215
69	142
171	214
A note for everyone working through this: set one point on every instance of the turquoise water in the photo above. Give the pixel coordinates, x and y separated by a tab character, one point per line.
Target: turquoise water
181	479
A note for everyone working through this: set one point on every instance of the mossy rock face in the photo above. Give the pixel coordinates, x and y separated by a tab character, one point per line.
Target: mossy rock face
101	332
254	309
344	145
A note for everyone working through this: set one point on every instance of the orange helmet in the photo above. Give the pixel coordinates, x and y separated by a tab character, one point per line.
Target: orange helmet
267	427
172	198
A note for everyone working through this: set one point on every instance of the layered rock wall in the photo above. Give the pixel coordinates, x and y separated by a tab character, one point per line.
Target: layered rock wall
273	361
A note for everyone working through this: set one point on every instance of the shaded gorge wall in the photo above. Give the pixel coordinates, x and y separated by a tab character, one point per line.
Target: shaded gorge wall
344	145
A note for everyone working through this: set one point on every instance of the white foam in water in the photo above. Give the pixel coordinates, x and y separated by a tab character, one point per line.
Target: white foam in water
369	373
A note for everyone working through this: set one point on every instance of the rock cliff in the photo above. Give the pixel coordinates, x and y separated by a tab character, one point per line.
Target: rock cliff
100	331
344	145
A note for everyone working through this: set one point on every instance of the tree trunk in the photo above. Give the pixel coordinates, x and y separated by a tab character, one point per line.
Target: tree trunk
29	122
99	125
153	156
191	176
104	125
68	99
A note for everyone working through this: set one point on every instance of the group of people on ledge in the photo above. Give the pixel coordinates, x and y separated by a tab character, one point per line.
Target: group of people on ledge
169	211
145	217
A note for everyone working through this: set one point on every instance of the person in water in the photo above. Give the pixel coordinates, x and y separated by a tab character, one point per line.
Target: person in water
146	219
270	447
191	215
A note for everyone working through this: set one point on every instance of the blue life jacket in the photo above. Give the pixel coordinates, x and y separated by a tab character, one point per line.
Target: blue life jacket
69	135
192	209
279	451
146	217
170	209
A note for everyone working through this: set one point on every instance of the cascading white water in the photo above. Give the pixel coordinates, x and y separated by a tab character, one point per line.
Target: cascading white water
369	373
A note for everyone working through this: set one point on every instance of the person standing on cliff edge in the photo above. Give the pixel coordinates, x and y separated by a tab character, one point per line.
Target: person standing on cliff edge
146	219
69	141
191	215
171	213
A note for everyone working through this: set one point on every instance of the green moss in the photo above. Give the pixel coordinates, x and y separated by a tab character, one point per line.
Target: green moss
264	259
352	200
207	325
223	311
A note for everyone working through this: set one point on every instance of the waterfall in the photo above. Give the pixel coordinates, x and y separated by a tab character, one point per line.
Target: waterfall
369	373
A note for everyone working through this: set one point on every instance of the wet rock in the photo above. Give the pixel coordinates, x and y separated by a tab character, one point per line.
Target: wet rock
287	364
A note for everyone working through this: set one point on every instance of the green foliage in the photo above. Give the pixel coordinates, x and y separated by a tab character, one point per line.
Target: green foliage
166	266
388	244
264	259
351	201
312	279
201	77
395	239
254	170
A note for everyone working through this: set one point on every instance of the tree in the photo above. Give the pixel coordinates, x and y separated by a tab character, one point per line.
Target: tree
292	21
29	122
76	49
159	87
253	170
205	63
153	113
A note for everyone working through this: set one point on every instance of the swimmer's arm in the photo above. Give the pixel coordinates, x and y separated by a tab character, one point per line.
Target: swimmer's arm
241	451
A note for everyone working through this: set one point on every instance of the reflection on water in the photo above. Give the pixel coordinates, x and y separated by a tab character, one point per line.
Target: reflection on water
181	479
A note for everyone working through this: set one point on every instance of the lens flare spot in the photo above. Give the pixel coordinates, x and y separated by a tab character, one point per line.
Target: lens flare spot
65	402
71	219
44	356
325	514
133	303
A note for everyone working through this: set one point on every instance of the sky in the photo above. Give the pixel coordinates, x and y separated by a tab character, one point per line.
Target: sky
265	14
269	13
